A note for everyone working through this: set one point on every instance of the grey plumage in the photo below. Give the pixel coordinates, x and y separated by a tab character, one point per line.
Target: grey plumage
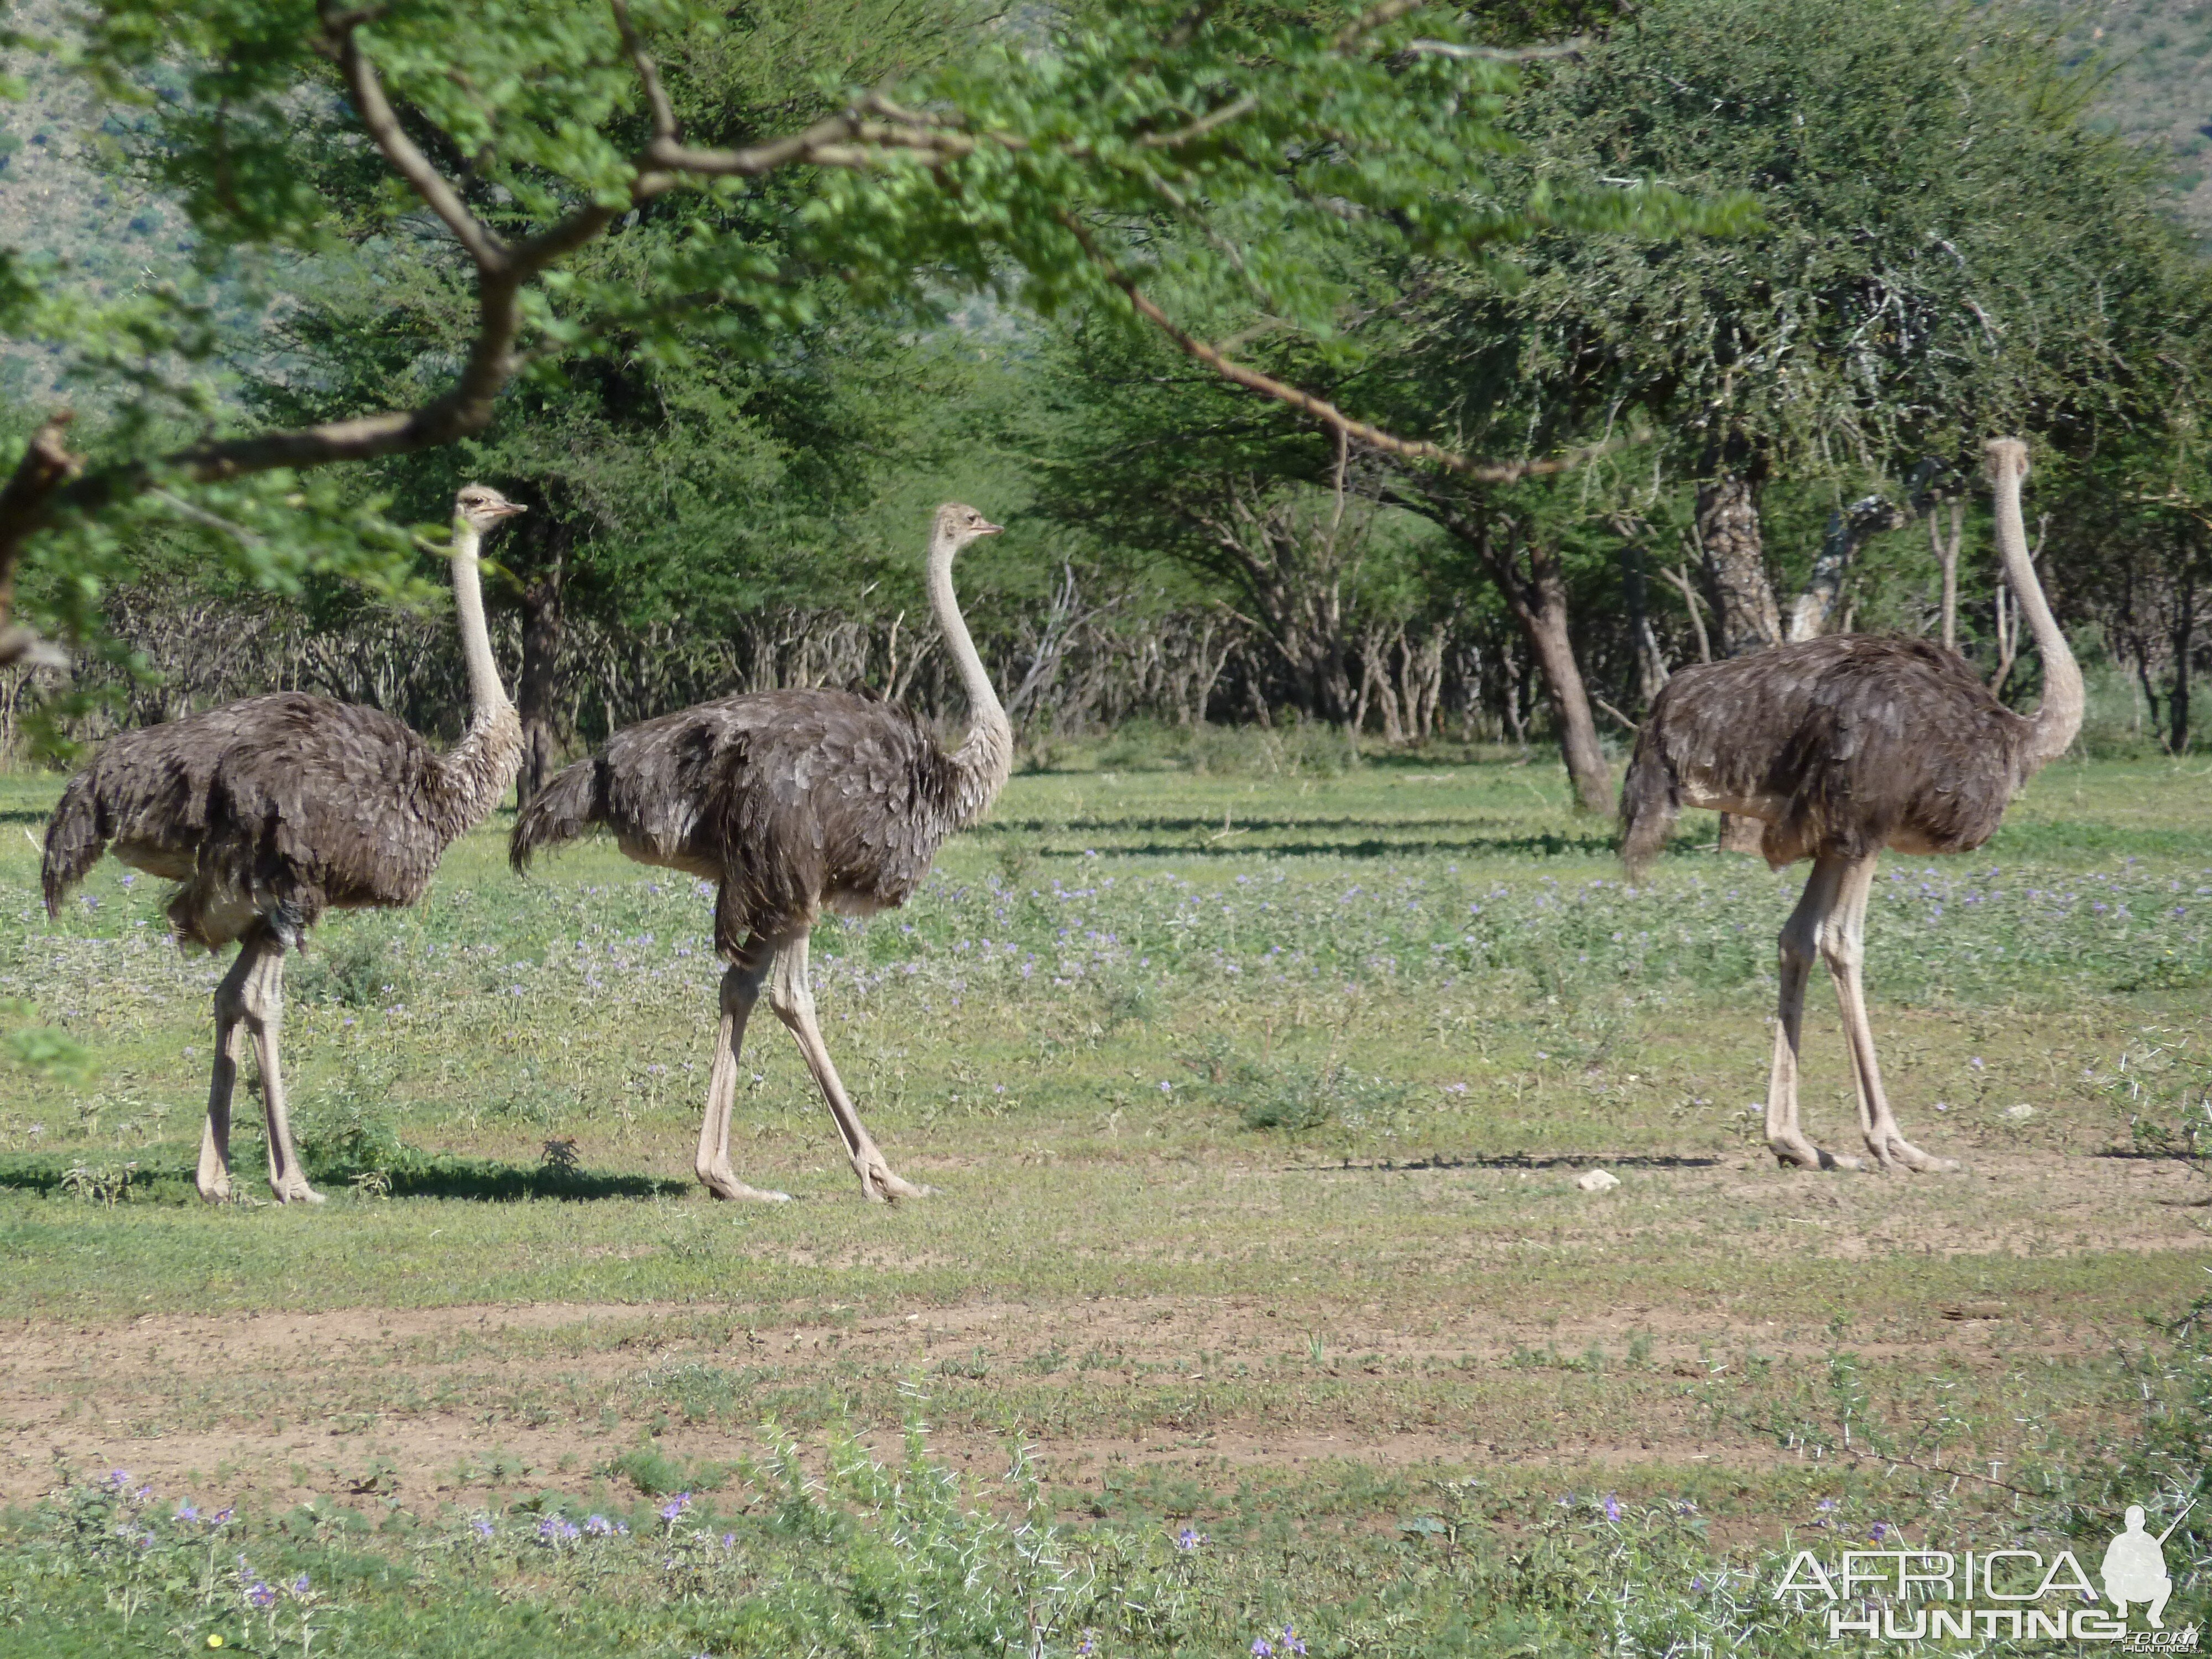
1848	744
794	803
272	809
1842	747
269	812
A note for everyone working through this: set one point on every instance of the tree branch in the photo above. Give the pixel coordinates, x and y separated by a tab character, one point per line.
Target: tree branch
851	138
1205	124
872	132
1570	48
648	73
1321	410
1375	17
342	29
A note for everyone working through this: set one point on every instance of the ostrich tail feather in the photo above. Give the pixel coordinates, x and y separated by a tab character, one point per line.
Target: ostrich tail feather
74	841
565	810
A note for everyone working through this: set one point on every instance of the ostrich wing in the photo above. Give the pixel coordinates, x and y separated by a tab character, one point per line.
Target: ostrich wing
788	799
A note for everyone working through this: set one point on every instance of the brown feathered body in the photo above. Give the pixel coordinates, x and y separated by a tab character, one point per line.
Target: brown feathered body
1843	745
278	808
794	802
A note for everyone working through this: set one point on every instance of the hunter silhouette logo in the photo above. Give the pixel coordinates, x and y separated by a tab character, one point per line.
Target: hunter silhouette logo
1916	1595
2135	1567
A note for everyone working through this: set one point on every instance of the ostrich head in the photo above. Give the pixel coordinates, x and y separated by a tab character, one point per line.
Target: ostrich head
480	506
957	526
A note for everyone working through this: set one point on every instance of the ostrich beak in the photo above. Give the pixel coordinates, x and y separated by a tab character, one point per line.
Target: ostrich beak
509	509
989	529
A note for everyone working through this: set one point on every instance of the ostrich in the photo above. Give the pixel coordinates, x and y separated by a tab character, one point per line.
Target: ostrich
1843	746
272	809
793	802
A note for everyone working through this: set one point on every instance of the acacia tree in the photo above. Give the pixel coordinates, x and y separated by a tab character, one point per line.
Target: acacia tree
1946	249
659	489
529	132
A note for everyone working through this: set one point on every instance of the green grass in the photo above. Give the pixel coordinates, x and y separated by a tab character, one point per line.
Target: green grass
1252	1097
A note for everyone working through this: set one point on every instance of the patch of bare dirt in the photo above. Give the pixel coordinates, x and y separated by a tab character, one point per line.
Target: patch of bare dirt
419	1402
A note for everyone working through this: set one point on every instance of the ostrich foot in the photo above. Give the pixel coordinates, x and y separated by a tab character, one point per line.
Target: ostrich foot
296	1191
723	1184
1894	1151
215	1189
1804	1154
880	1184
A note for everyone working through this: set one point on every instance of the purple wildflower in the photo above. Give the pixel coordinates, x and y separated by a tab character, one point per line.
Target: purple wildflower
676	1506
482	1527
186	1512
300	1585
1262	1648
598	1526
261	1595
1612	1507
1290	1641
1189	1539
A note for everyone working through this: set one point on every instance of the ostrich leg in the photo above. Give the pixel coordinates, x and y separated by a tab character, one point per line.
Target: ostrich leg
1805	935
213	1178
794	1005
740	990
1844	947
262	1009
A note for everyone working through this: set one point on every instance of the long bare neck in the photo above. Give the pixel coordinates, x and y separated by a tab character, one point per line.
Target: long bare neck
2060	716
481	767
486	695
986	759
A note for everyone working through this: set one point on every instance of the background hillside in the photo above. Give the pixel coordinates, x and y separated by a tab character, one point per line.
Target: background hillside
2156	53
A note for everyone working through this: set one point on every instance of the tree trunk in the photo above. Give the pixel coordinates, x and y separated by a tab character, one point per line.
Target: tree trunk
1946	556
2184	630
1849	527
533	686
1509	669
1636	594
1736	566
1735	563
1537	596
1544	617
1538	600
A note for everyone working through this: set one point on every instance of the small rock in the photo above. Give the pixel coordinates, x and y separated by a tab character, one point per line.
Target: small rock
1598	1180
2019	1114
